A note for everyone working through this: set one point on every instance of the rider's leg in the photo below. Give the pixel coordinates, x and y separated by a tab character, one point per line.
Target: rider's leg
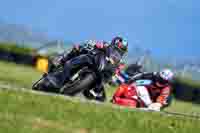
143	94
59	79
99	91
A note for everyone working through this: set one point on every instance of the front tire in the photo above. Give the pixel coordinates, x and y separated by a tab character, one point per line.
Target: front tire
43	84
85	82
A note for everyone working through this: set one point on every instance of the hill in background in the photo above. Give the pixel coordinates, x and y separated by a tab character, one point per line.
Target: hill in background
22	34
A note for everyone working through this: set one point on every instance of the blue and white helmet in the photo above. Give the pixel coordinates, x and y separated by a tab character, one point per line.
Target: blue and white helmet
166	74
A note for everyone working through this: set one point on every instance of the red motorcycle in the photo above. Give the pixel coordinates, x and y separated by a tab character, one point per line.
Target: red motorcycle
131	95
135	95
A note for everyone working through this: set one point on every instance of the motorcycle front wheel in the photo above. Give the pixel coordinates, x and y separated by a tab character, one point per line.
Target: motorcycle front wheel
79	85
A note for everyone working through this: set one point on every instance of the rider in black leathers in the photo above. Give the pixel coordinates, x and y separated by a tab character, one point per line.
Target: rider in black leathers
106	59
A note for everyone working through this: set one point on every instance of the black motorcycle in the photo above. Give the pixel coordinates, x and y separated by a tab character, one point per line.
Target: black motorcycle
82	80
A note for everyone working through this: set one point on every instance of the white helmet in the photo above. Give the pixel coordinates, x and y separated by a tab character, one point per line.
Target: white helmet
166	74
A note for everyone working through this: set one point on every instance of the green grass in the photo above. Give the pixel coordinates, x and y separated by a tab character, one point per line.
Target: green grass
184	107
18	74
23	112
25	76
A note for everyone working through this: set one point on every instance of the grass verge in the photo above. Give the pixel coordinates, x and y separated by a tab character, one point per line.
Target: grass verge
24	76
18	74
26	112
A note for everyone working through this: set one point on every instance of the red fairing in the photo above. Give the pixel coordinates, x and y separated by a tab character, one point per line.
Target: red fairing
126	96
125	102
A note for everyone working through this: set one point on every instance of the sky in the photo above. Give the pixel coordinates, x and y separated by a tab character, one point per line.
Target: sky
169	28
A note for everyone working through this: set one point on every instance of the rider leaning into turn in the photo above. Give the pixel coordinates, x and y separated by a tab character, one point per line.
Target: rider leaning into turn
107	61
155	95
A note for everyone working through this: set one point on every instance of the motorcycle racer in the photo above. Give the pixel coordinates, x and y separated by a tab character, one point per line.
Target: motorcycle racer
105	58
153	91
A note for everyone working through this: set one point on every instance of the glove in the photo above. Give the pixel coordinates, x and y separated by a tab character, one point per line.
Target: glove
155	106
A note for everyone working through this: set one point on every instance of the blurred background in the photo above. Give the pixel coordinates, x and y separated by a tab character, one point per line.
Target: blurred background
160	33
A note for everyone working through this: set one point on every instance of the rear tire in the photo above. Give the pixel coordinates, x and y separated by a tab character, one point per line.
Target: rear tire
78	86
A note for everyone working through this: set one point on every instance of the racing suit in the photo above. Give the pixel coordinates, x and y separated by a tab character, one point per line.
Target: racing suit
77	50
99	61
155	92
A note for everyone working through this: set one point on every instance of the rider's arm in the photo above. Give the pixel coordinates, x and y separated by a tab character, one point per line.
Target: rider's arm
161	100
165	93
70	54
78	49
133	69
144	75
